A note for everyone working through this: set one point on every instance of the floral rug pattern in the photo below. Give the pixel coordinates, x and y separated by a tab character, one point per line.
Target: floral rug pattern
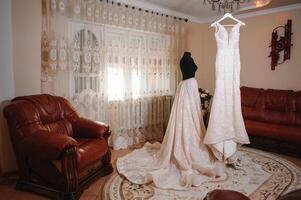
261	176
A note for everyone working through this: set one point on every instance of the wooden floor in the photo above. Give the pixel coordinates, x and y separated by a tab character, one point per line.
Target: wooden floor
8	192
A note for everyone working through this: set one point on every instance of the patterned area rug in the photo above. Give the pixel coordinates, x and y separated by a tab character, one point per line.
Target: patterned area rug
261	176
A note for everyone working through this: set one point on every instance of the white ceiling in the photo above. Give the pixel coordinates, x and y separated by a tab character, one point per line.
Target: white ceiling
194	10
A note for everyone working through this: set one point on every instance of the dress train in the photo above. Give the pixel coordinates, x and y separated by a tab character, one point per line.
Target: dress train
182	160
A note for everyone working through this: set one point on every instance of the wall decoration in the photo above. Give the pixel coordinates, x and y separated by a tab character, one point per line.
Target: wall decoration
282	44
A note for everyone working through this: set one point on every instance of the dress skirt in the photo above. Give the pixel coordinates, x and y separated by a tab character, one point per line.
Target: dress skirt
182	160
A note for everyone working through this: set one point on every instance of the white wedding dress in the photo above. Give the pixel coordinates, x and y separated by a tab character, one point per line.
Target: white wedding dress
226	129
182	160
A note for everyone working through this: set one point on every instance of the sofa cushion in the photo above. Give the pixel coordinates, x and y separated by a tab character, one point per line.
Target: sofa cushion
251	101
47	106
89	151
297	101
62	126
278	100
297	107
275	131
278	106
251	113
250	96
282	118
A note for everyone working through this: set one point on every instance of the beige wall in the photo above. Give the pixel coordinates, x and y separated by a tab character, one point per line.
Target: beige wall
6	81
192	42
200	43
255	38
27	22
20	62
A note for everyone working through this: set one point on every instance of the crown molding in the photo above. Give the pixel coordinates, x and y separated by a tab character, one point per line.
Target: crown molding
256	13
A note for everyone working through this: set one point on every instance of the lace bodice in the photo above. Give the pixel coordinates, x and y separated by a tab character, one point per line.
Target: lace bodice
225	38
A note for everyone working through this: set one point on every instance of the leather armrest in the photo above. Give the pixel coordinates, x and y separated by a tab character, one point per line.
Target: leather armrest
91	129
46	146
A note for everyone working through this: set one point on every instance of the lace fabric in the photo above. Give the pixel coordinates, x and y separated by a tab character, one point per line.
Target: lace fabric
182	160
226	129
114	64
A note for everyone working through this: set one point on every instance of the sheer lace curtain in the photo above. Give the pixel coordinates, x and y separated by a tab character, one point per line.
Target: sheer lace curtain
114	63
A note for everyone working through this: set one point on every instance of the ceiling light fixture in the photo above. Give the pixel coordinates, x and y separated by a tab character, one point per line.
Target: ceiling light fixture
226	5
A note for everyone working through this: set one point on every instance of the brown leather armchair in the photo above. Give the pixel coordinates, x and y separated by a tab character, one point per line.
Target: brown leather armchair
58	152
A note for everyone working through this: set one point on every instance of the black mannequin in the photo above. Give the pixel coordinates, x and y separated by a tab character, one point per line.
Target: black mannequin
187	65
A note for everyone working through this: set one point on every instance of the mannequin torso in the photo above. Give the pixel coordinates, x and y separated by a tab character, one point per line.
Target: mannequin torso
187	65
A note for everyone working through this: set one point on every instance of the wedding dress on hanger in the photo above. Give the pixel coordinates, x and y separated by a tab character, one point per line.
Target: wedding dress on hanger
182	160
226	129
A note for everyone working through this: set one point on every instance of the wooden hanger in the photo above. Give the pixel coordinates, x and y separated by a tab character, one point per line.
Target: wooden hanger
228	15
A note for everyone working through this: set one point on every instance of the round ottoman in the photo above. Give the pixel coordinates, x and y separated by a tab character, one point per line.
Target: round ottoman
225	195
293	195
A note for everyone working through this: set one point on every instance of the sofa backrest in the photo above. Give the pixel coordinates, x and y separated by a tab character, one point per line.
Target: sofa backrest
273	106
29	114
250	97
278	100
297	107
278	106
251	101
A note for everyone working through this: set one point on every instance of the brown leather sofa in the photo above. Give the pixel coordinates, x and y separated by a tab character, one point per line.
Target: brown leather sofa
273	119
58	152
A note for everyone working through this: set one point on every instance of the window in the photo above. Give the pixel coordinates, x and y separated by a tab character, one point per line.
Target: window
119	64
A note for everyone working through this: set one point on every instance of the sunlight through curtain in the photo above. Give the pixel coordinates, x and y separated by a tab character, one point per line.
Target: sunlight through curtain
114	64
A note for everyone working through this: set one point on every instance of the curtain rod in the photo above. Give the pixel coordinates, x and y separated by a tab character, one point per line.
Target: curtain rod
145	10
